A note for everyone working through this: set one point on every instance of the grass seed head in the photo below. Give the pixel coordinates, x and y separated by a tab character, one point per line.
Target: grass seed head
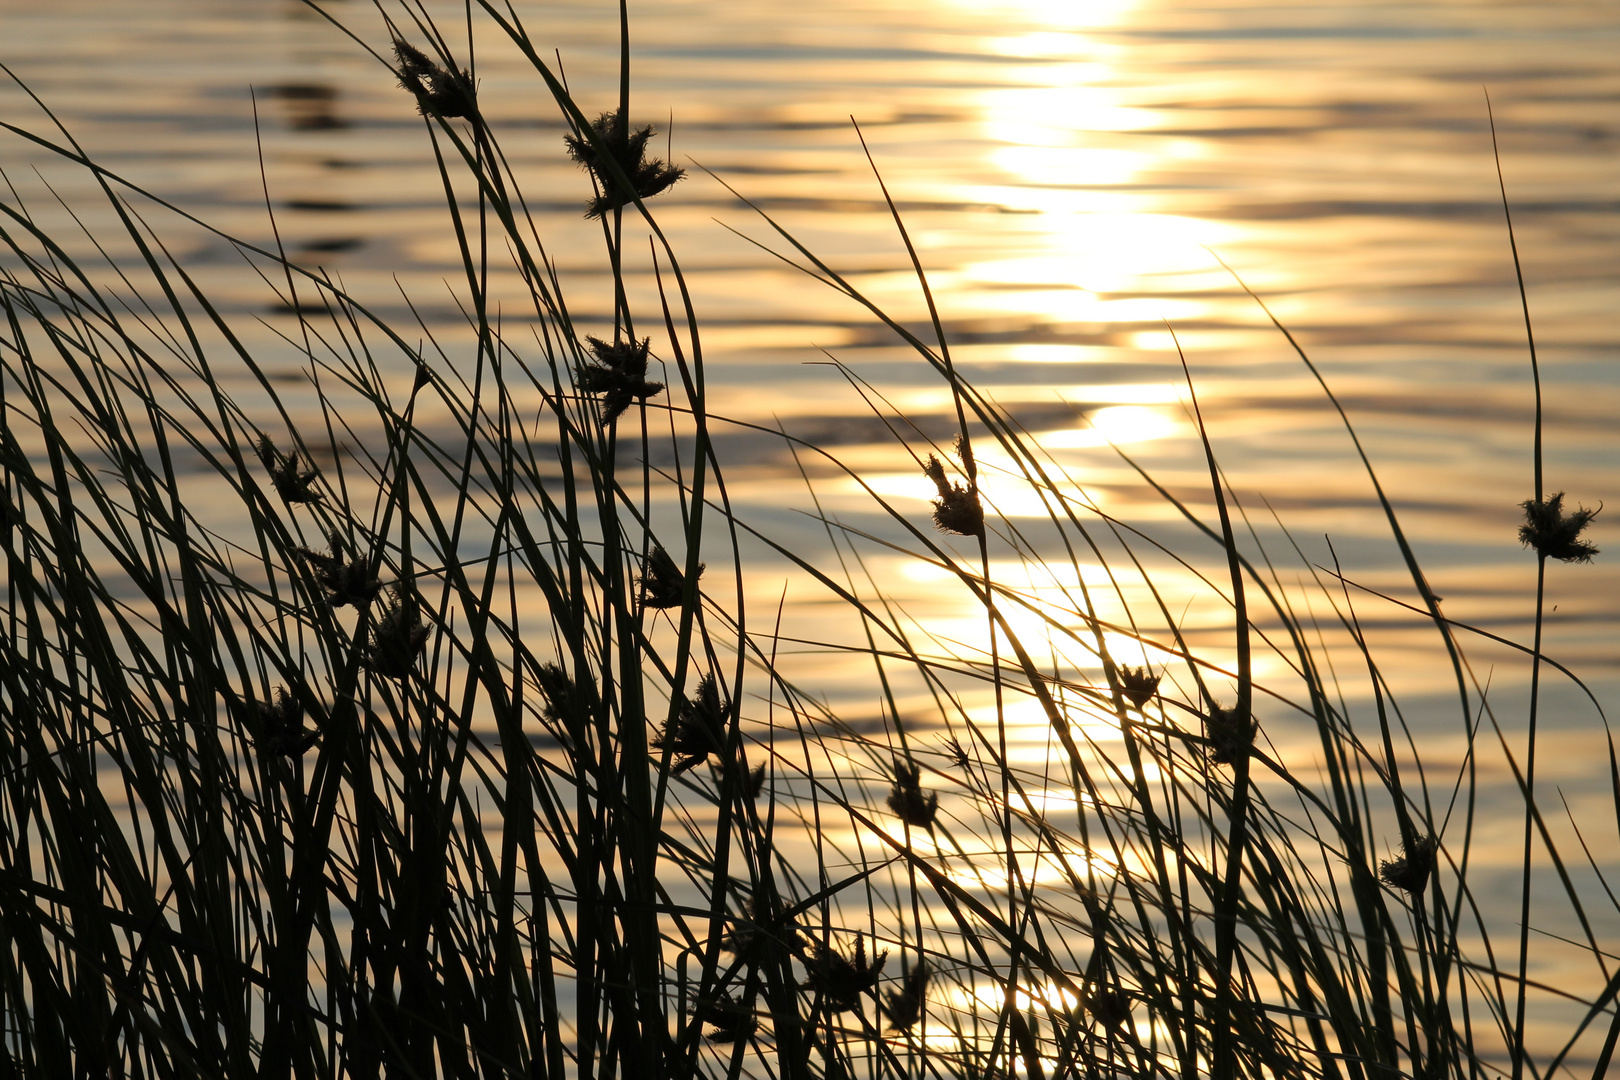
760	920
344	580
1410	872
397	637
1555	534
1138	685
569	704
729	1021
438	92
957	509
907	798
618	373
698	730
662	583
648	176
281	727
842	979
1231	736
904	1007
1110	1008
292	482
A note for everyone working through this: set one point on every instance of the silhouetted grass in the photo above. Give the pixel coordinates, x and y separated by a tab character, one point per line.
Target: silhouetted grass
449	755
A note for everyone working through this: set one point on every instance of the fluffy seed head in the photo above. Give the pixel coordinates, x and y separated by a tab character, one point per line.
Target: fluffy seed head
281	727
1138	685
1231	736
292	481
648	176
397	636
438	92
904	1007
907	799
1410	872
1555	534
957	509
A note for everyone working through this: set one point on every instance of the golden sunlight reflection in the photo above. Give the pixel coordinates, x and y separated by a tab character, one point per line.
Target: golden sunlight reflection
1044	869
993	996
1099	251
1027	717
1113	426
1045	575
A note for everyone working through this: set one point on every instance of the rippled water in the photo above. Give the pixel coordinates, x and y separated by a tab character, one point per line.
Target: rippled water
1070	172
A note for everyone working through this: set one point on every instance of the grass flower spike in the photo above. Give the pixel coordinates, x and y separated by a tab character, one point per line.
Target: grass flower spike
1110	1008
438	92
1410	872
957	509
281	727
618	372
344	580
1231	736
293	483
907	799
904	1007
662	583
1554	534
698	730
398	636
647	176
842	979
1138	685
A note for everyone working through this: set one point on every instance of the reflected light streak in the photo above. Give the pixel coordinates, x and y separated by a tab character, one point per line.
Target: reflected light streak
1116	425
1107	251
1027	717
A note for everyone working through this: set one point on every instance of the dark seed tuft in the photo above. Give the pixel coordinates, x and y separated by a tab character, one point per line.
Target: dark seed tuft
904	1007
662	583
344	580
698	730
842	979
1138	685
1410	872
438	92
648	176
907	799
569	704
1231	736
292	481
730	1021
758	922
1110	1008
1554	534
397	637
281	727
617	372
957	509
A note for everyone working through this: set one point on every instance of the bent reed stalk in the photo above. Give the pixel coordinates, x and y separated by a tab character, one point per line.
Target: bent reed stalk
422	730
